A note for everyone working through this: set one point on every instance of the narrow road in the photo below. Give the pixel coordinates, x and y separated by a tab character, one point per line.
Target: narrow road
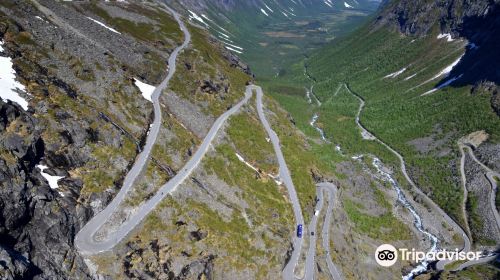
331	189
284	176
482	260
85	238
490	175
467	244
464	185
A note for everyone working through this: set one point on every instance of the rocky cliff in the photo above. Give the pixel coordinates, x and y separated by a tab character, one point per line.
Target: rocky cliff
476	21
63	157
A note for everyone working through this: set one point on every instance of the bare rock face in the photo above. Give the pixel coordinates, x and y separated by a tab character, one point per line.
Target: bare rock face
476	21
419	17
36	224
13	265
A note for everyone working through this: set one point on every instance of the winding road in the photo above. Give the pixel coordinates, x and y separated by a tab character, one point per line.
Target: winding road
86	241
464	186
331	189
490	175
85	238
88	245
284	176
467	244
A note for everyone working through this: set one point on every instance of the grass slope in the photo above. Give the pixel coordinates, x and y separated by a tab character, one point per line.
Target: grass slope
394	109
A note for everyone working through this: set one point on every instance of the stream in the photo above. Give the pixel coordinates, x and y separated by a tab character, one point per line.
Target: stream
422	266
377	163
313	124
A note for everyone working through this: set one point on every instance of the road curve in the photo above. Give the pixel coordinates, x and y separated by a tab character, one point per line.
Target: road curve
464	186
467	244
482	260
84	239
284	176
331	189
490	174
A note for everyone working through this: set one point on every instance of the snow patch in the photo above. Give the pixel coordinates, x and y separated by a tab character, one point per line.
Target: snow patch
473	46
146	90
446	35
224	35
267	7
264	12
409	77
445	84
193	15
233	46
104	25
395	74
233	50
347	5
446	71
9	87
50	178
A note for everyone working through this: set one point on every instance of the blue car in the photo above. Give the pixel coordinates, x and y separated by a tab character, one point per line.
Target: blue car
299	231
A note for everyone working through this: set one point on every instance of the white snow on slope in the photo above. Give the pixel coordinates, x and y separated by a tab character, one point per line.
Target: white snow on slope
395	74
233	46
8	83
447	36
193	15
409	77
104	25
264	12
224	39
446	71
232	49
246	163
146	90
271	10
445	84
347	5
329	3
225	35
473	46
50	178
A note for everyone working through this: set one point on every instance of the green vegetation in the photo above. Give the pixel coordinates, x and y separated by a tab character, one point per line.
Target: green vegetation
180	144
206	63
302	156
249	138
477	272
394	111
263	195
385	227
476	221
165	29
272	43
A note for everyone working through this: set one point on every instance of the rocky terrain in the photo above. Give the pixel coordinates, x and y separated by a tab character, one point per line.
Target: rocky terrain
481	219
476	21
86	120
86	67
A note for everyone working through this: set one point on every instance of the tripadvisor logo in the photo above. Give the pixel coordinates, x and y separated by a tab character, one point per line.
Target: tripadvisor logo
387	255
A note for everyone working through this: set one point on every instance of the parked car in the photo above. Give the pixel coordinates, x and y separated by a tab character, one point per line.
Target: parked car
299	231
